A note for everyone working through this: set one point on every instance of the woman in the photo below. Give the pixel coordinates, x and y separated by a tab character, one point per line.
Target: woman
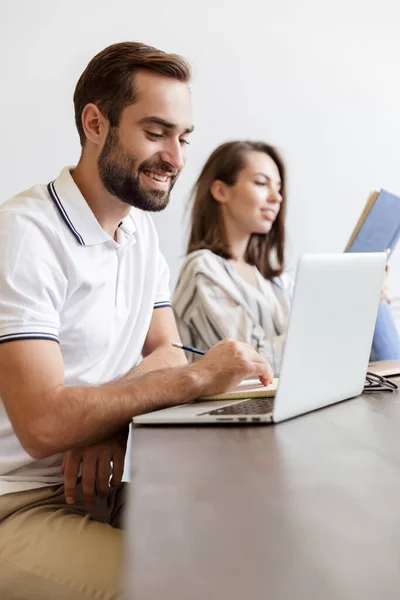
232	283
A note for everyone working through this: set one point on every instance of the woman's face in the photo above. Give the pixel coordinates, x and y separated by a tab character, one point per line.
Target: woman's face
252	204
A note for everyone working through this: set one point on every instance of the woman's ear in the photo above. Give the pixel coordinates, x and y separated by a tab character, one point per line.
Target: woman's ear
219	191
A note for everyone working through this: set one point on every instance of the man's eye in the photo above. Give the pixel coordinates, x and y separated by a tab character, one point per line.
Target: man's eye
260	182
155	136
185	142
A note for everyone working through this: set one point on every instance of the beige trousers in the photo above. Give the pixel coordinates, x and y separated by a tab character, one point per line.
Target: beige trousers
52	551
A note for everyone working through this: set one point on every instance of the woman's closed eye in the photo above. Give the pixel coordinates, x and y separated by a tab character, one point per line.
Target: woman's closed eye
268	184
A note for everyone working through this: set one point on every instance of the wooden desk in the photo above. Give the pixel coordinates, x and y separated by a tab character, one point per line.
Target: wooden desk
307	509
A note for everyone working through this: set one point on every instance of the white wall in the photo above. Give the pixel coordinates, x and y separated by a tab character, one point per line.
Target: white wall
318	79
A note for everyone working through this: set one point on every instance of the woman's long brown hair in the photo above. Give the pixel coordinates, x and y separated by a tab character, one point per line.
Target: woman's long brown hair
265	251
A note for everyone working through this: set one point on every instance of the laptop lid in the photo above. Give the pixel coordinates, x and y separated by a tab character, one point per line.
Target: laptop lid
330	331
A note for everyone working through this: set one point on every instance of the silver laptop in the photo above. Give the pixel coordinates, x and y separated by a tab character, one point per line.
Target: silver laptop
327	347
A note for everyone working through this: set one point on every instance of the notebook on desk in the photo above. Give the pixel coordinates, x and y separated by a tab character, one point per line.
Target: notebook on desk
378	227
249	388
326	352
385	368
381	371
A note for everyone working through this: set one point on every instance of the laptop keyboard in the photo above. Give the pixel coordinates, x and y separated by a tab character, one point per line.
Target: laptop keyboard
256	406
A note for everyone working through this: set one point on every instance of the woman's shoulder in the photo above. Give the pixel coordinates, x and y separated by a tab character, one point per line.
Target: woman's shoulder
200	268
201	260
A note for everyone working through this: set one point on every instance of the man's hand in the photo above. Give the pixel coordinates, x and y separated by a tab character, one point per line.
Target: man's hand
227	364
96	460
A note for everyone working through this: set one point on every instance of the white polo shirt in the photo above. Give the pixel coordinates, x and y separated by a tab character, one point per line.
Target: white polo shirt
64	279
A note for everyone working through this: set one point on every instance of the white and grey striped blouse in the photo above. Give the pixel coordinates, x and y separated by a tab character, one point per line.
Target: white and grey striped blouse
213	301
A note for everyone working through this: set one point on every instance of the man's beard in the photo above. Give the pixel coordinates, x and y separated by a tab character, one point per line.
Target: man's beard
120	175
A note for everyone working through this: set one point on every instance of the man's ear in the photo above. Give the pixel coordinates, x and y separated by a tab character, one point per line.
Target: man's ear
219	191
95	124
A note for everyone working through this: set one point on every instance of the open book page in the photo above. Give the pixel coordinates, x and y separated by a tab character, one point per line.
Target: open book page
249	388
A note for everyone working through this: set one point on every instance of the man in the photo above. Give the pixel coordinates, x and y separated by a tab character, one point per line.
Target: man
84	294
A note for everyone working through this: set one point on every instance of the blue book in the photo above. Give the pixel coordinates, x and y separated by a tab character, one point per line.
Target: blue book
378	228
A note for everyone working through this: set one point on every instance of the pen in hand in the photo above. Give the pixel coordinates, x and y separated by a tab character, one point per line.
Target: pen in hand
188	348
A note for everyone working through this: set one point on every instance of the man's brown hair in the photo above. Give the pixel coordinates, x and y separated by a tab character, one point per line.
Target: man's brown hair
265	251
108	80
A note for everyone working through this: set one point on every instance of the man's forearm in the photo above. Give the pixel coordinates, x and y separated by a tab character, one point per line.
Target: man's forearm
163	357
82	415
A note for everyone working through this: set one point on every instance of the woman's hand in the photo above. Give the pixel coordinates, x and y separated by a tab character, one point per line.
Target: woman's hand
385	290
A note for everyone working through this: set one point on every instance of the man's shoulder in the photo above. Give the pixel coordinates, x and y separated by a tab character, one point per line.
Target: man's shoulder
32	205
30	217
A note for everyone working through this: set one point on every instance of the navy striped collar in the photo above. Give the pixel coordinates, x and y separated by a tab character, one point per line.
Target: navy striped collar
54	196
77	215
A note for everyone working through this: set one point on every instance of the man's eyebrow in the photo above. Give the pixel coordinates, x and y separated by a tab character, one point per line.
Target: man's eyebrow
163	123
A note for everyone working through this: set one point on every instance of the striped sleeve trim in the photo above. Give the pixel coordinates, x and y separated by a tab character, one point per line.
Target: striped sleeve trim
27	335
163	304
